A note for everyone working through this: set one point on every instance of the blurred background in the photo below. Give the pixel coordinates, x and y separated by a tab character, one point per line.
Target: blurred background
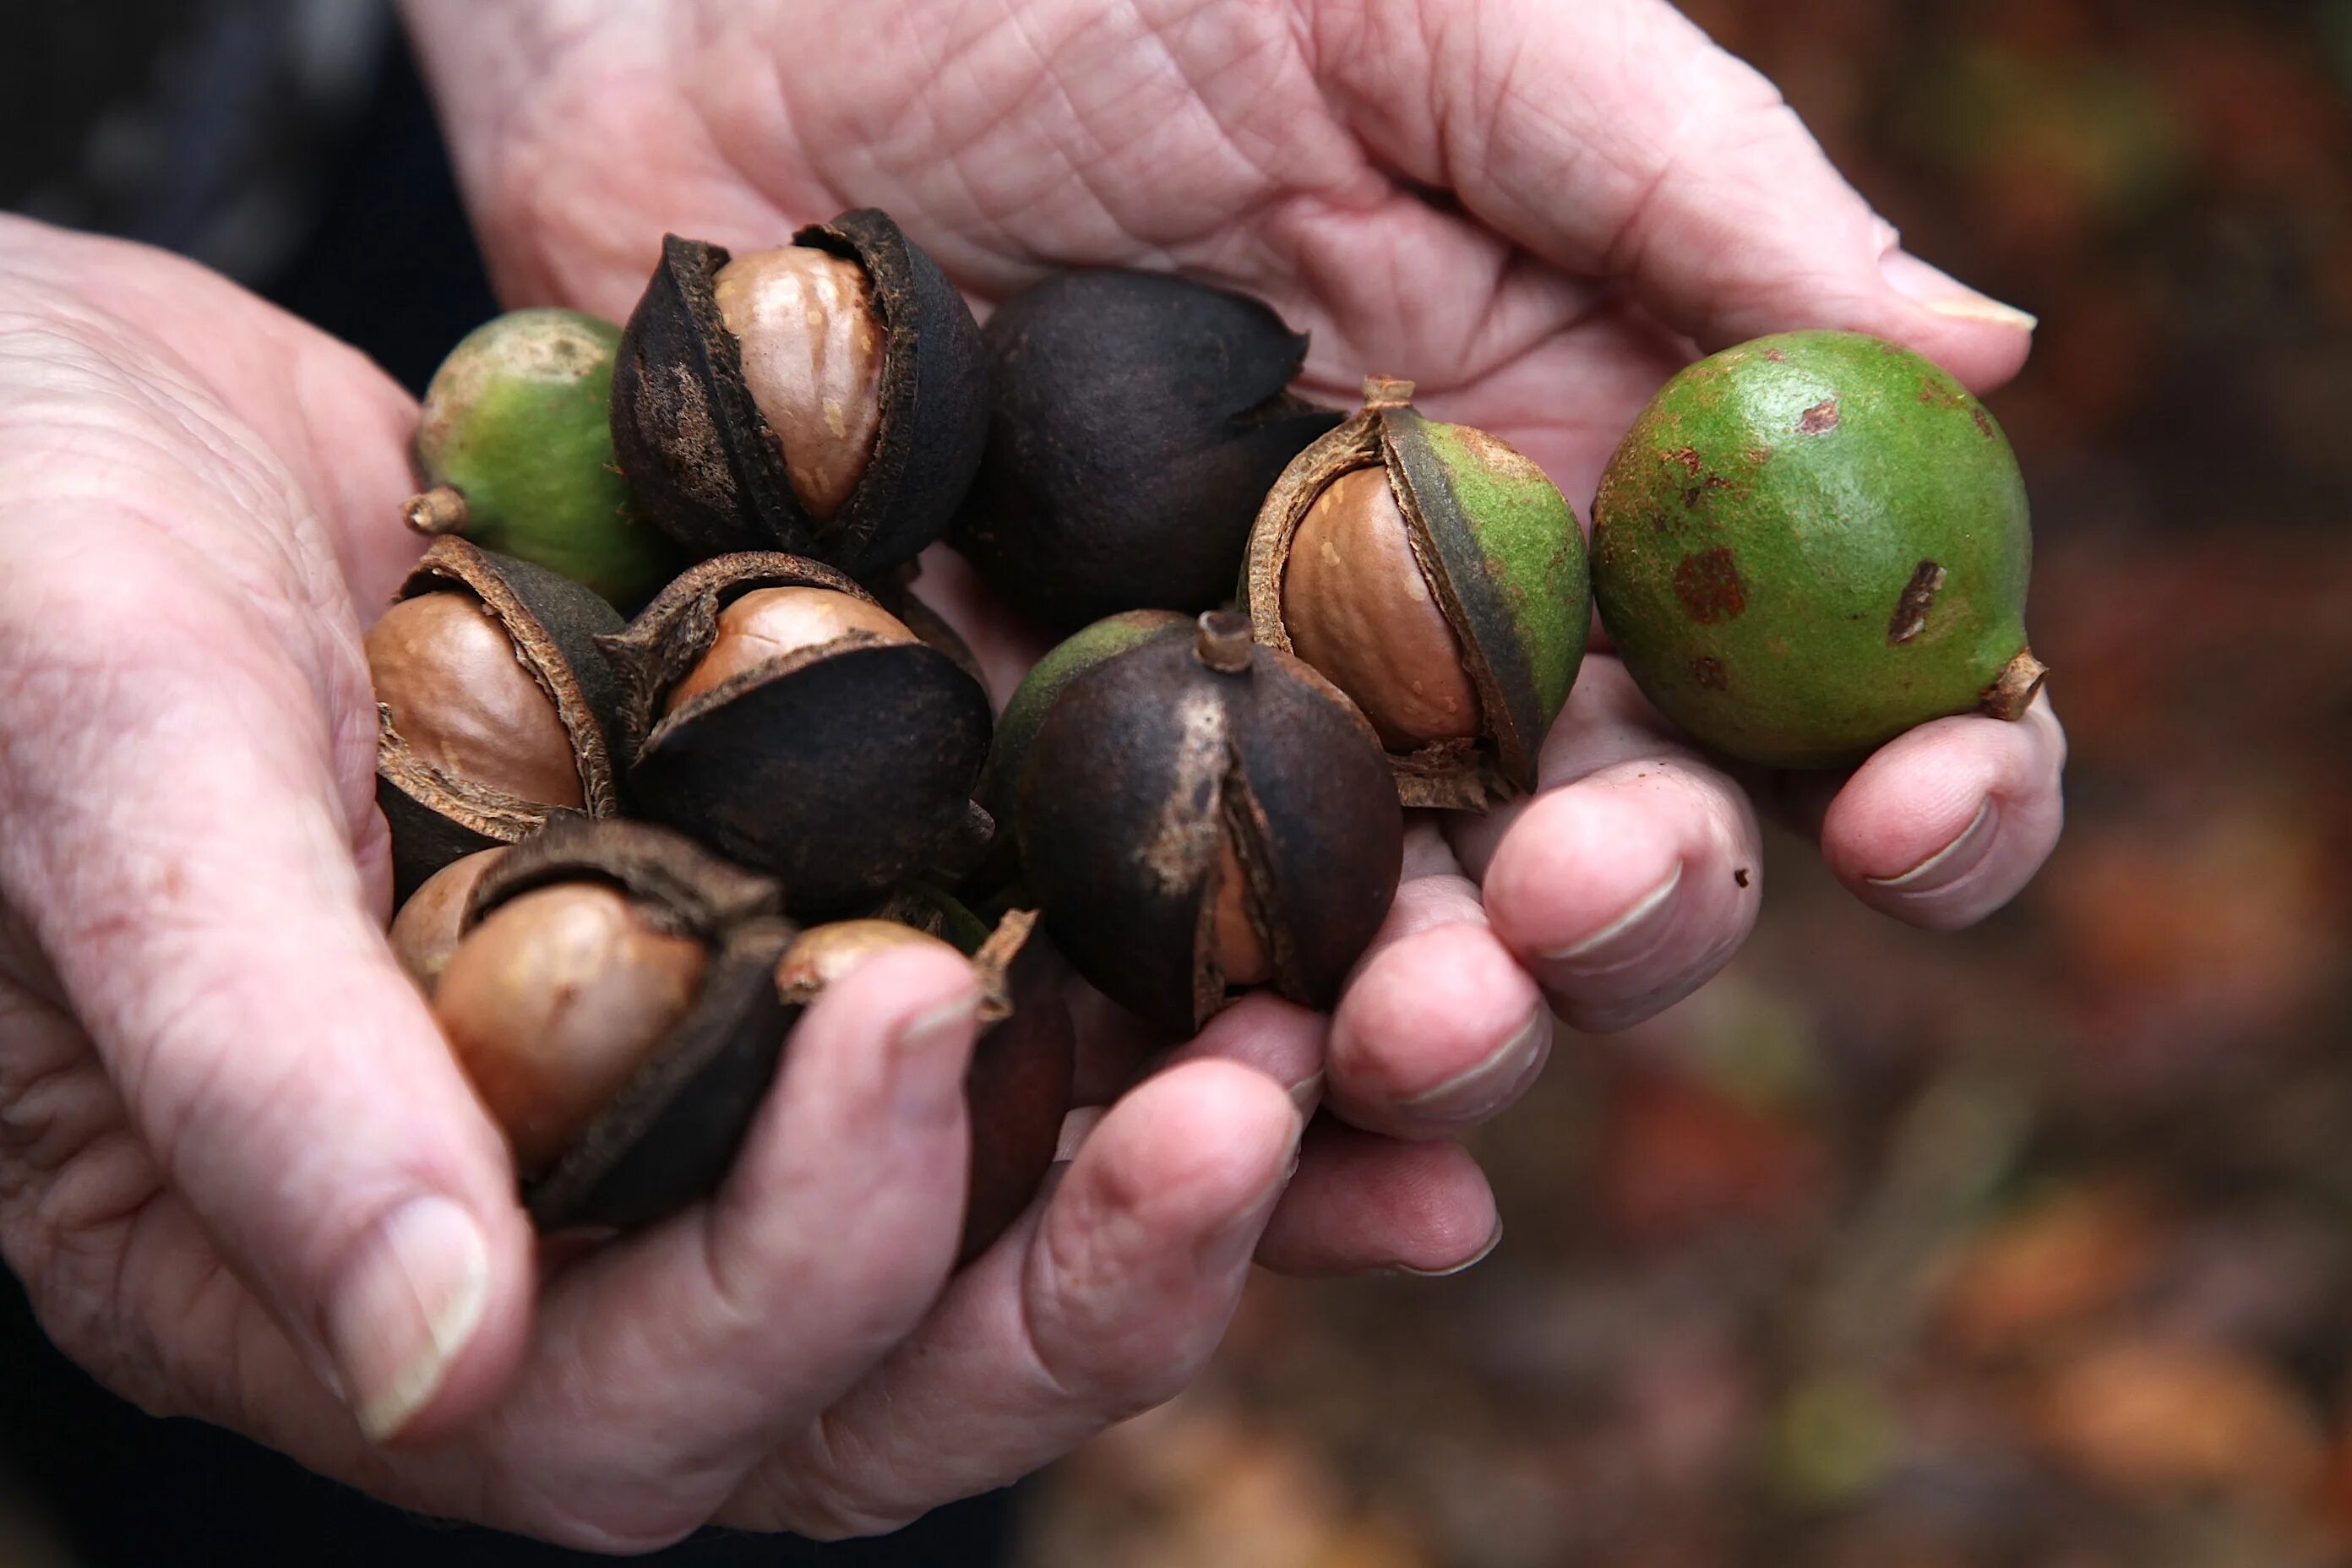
2024	1248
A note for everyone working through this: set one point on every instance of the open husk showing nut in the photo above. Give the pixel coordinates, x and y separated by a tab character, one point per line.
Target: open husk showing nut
778	713
612	996
494	707
828	397
1438	578
1201	815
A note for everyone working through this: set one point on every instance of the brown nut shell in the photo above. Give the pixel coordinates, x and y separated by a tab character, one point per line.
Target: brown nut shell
437	817
707	466
447	677
426	930
1159	766
809	345
669	1133
823	953
769	624
555	1002
843	768
1359	608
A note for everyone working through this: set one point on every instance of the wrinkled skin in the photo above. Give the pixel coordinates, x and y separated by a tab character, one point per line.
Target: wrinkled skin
235	1163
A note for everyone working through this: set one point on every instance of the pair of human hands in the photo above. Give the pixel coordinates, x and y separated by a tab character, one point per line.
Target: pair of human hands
239	1172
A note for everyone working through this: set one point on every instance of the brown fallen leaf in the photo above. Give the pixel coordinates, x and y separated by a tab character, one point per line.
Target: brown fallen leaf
2049	1267
2149	1417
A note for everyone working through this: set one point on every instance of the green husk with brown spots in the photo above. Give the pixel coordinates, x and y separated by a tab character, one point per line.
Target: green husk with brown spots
1813	543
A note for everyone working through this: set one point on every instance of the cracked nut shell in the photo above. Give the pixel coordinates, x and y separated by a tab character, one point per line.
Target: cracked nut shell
472	737
1136	421
651	963
842	765
1201	814
1438	578
849	441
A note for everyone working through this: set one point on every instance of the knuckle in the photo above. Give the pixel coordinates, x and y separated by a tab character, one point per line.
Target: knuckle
827	1484
1097	1351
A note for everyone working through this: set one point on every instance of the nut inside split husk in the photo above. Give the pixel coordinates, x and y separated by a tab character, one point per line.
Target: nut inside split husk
830	400
1019	1084
768	624
1201	814
555	1002
1359	607
456	691
844	766
488	666
812	343
613	999
1438	578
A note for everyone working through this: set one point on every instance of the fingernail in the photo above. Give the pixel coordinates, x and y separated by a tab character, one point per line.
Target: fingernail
1486	1089
1945	295
1977	307
933	1058
1232	1244
1307	1094
1494	1240
404	1309
1953	861
1632	937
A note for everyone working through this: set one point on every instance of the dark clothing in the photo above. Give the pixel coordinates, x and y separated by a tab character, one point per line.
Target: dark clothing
124	1490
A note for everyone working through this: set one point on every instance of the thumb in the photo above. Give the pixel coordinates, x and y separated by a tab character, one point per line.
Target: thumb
181	842
1614	138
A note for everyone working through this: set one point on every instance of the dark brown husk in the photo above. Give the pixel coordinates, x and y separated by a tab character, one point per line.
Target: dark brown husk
1136	421
844	769
1146	761
700	459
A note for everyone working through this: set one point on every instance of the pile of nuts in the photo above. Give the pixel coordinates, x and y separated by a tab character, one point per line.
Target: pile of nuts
629	852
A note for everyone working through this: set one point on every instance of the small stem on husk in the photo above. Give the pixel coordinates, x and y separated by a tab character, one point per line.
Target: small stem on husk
439	511
2011	692
1224	642
1387	392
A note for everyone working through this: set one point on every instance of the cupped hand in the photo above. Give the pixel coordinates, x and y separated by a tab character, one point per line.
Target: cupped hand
1536	211
239	1172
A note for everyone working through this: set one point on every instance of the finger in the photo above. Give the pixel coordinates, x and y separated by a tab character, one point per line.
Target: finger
1107	1303
1440	1028
1361	1202
1944	825
1280	1039
731	1322
1689	177
178	843
1634	874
